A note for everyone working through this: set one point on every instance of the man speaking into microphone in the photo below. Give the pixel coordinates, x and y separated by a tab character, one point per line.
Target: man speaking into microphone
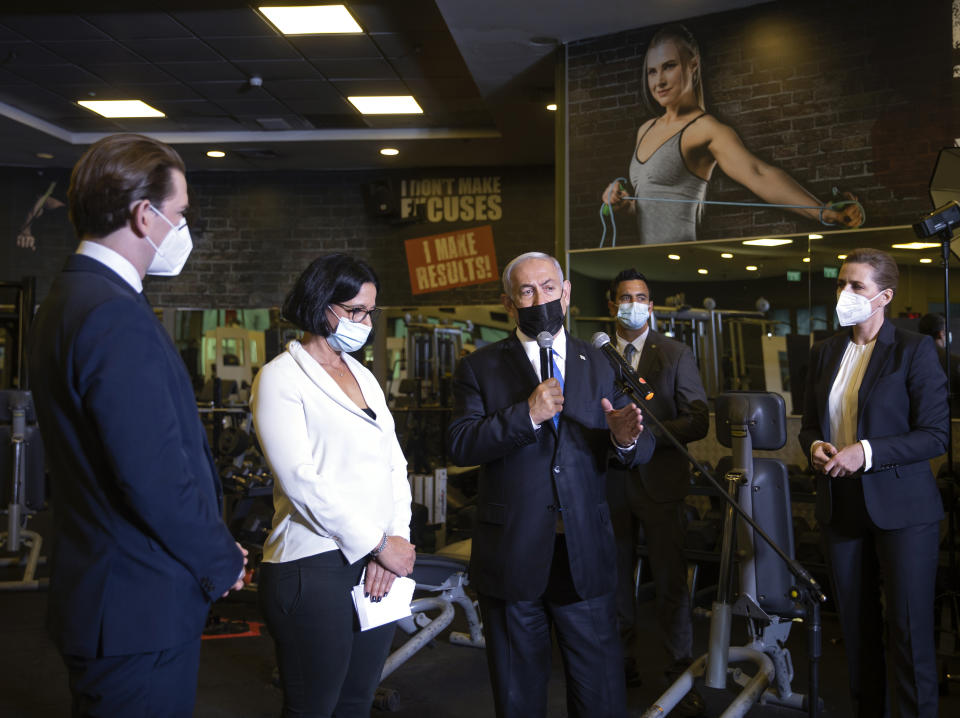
543	551
653	495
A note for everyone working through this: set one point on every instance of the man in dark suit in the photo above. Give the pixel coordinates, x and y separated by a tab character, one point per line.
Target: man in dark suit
652	495
140	549
543	550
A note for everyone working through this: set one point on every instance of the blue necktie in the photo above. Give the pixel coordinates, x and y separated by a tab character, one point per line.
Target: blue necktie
559	377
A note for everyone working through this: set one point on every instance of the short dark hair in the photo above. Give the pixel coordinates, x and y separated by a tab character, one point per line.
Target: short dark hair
625	276
114	173
932	325
330	279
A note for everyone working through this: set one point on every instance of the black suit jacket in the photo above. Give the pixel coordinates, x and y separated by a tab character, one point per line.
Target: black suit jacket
680	403
527	473
901	411
140	548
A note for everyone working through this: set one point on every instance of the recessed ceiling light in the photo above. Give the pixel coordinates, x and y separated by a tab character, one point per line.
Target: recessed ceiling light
767	242
312	19
552	107
674	257
727	255
44	156
389	151
814	236
121	108
806	259
926	260
386	105
841	256
216	153
702	271
916	245
751	268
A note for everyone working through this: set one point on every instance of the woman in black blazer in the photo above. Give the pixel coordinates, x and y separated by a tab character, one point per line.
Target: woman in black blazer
875	412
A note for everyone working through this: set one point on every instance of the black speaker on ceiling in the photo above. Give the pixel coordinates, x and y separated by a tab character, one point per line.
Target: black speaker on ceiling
380	198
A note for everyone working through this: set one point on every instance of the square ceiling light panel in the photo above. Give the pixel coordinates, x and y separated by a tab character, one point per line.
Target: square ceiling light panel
312	20
121	108
386	104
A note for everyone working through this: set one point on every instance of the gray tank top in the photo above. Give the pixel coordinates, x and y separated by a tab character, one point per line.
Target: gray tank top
666	175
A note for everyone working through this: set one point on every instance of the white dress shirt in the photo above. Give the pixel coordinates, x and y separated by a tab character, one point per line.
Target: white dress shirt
117	262
843	402
637	344
532	349
340	477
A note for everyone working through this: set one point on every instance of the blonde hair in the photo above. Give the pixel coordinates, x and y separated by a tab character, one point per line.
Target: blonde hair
689	50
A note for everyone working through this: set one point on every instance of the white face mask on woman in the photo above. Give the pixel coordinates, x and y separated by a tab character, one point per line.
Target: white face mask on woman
173	250
853	308
348	336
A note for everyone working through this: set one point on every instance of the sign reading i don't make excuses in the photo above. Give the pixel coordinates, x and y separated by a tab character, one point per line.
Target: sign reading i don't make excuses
451	259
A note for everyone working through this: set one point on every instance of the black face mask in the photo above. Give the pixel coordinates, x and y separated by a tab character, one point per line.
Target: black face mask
540	318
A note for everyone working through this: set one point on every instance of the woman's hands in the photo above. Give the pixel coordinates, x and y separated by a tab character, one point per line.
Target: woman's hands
614	195
850	215
396	559
397	556
826	459
378	580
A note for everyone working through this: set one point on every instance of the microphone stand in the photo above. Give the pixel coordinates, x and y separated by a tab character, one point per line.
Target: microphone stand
808	590
949	476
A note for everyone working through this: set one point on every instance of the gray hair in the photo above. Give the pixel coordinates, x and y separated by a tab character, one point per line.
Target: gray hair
516	261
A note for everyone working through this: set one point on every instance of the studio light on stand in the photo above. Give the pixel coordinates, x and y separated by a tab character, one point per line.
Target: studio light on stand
942	223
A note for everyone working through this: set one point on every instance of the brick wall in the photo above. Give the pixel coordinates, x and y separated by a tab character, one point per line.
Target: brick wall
857	95
255	232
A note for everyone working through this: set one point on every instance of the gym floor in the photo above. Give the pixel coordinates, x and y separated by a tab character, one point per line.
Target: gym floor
441	680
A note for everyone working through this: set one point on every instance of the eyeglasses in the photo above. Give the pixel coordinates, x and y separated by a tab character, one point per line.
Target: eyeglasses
358	314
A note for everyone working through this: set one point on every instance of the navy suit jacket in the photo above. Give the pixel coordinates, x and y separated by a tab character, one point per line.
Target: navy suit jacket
527	473
680	403
140	548
901	411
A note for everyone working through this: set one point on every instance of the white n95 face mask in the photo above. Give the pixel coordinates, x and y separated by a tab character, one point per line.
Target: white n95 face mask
349	336
633	315
173	251
854	308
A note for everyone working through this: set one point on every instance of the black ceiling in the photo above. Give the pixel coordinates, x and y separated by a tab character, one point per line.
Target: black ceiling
195	65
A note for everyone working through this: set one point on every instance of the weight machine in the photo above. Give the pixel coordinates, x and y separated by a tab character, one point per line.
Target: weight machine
21	450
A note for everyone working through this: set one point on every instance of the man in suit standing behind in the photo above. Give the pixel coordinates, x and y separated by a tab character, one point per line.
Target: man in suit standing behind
652	495
140	549
543	550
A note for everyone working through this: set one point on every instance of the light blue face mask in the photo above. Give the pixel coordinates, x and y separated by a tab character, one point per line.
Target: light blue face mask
633	315
349	336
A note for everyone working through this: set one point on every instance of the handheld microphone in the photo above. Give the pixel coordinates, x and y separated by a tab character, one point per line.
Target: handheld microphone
602	342
545	342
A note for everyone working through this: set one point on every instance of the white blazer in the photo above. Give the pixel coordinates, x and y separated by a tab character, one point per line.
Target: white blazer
340	476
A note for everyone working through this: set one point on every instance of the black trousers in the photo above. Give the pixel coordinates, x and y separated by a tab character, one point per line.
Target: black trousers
328	666
162	684
664	528
519	649
902	563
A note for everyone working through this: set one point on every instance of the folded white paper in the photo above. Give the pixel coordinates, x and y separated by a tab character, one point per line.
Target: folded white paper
395	605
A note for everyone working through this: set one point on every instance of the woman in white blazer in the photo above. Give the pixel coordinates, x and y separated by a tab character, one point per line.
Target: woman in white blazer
341	497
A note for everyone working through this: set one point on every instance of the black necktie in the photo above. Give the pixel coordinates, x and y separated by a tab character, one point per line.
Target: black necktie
628	353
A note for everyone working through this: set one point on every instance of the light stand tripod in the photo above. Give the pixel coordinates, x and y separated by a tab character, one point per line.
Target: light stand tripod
941	223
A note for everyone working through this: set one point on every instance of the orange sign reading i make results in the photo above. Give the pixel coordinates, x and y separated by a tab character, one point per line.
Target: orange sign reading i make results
452	259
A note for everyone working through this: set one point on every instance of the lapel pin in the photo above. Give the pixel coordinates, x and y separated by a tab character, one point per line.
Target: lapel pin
583	357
